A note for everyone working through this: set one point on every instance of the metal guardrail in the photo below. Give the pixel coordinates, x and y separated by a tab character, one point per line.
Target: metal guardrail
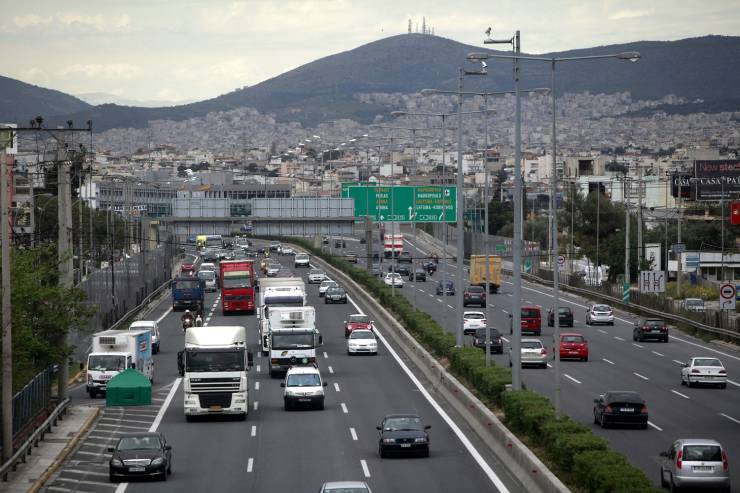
33	440
126	316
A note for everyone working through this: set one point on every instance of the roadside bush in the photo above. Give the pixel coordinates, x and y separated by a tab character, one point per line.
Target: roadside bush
568	445
517	404
606	471
558	427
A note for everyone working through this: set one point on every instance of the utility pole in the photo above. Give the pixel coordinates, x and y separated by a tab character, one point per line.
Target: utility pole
680	254
639	217
626	237
460	216
7	392
516	299
66	261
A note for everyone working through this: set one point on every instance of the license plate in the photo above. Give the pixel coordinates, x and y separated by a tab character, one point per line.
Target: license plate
137	469
573	352
627	409
405	445
215	408
304	400
702	468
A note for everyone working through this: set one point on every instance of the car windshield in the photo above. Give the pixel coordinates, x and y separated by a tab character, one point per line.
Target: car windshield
139	443
624	397
274	266
303	380
572	339
106	362
359	319
475	289
206	274
481	333
334	290
302	257
359	489
602	308
564	310
707	362
316	272
328	284
694	302
475	316
702	453
361	334
653	322
530	313
410	423
531	345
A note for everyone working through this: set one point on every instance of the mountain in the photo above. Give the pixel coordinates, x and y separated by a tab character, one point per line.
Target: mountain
20	102
96	98
698	68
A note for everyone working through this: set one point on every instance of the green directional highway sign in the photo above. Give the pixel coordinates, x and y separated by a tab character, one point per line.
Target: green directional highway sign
405	203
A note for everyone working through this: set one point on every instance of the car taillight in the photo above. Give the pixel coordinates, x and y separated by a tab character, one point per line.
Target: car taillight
274	361
543	352
467	295
608	409
643	410
664	329
725	462
695	371
679	460
722	372
483	321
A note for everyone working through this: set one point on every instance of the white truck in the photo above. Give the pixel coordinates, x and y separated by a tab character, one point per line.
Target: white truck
292	337
392	245
276	292
214	367
114	351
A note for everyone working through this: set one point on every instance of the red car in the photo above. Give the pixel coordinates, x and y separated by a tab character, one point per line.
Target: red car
357	321
187	269
573	345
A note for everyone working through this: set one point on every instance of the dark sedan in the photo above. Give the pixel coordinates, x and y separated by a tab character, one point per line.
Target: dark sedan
429	266
474	295
620	408
565	315
335	295
419	275
141	455
446	286
403	433
479	340
650	328
402	269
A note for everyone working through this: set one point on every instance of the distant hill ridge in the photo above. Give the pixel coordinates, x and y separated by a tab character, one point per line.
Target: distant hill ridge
705	68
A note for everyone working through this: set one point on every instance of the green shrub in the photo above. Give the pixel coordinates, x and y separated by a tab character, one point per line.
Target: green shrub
558	427
606	471
517	403
567	445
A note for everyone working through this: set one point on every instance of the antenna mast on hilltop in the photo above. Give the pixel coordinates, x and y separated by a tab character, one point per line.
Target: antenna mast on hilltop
423	25
409	26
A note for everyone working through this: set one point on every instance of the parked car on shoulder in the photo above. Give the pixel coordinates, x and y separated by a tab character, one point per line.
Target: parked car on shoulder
620	407
650	328
695	463
565	314
704	371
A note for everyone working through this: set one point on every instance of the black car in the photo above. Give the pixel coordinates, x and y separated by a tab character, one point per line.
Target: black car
363	241
419	275
446	286
620	408
140	455
404	270
650	328
474	295
405	257
565	314
403	433
335	295
479	340
430	266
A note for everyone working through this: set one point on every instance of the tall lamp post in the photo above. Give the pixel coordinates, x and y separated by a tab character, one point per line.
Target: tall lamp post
515	41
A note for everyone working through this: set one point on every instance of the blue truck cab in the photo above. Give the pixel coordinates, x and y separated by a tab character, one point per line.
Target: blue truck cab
187	292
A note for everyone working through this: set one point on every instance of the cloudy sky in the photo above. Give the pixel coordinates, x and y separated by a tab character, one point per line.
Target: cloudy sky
177	50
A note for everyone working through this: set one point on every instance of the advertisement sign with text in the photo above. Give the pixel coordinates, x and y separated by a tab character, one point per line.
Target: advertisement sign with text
717	179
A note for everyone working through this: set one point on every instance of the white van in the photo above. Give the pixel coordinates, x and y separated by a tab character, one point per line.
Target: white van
152	326
209	278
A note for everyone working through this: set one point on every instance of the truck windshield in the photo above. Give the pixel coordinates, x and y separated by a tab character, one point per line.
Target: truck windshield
215	361
239	281
292	341
185	285
106	362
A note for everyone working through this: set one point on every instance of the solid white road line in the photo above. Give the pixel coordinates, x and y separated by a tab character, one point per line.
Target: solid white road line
254	430
336	386
365	470
678	362
656	353
492	476
344	408
640	376
353	433
733	383
571	378
655	426
606	360
679	393
250	464
730	418
673	337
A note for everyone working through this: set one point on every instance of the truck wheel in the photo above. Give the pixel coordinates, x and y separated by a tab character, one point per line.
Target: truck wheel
92	394
188	418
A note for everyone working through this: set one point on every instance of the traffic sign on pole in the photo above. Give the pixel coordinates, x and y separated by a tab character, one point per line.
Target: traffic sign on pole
405	203
561	260
652	281
727	293
626	292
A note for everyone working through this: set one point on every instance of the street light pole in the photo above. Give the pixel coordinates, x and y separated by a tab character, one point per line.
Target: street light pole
486	239
516	299
554	251
460	214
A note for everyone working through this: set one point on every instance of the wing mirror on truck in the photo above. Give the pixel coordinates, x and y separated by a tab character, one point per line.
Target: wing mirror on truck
282	384
326	383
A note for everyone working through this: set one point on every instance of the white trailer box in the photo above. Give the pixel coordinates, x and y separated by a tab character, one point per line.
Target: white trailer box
114	351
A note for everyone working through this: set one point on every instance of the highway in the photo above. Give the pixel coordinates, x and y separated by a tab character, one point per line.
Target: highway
615	363
275	450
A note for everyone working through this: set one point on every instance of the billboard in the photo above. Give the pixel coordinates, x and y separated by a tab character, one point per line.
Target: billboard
680	181
717	179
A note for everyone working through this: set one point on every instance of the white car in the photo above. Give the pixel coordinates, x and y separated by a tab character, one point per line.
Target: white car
600	314
303	387
316	276
393	280
288	251
209	279
362	342
326	284
472	321
208	266
272	269
709	371
301	260
152	326
533	353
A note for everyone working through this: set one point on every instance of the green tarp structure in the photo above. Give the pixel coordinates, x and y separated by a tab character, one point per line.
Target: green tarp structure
129	388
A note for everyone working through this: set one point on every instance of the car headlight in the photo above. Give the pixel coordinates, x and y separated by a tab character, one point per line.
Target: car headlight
389	440
116	462
420	440
158	461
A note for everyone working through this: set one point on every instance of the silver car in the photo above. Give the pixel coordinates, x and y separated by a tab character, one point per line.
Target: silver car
345	487
695	463
533	353
600	314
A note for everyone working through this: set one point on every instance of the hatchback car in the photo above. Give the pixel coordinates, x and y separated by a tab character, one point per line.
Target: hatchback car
209	279
418	275
301	260
695	463
479	340
474	295
708	371
350	257
565	314
573	346
272	269
405	257
357	321
599	314
531	320
393	280
446	286
403	433
303	387
316	276
402	269
362	342
345	487
335	294
532	353
694	305
650	328
430	266
140	455
326	284
620	407
473	321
